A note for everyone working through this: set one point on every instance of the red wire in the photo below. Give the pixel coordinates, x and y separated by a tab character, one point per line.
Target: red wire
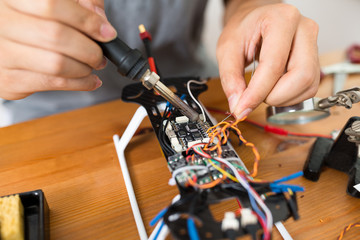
263	225
255	123
273	129
309	135
197	144
239	203
152	64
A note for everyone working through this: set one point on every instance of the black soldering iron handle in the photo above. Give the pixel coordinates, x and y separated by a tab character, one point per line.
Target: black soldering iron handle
130	62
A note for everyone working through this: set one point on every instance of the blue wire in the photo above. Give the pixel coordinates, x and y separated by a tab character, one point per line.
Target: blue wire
158	217
290	177
159	230
192	229
256	208
279	188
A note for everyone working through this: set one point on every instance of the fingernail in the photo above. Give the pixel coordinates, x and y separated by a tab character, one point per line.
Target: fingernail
233	100
98	82
244	113
102	64
100	11
107	31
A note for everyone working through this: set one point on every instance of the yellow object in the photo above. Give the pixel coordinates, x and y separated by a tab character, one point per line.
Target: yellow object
223	171
11	218
142	28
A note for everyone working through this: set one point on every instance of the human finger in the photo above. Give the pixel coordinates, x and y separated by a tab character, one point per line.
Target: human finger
231	65
70	13
30	82
50	35
277	37
41	61
301	80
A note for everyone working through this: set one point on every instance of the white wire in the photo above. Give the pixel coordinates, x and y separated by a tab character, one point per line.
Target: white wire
193	98
283	232
246	185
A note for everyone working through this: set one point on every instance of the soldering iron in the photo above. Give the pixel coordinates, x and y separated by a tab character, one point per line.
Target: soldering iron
133	65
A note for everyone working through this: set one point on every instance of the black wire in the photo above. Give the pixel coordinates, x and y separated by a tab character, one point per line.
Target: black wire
147	47
165	141
161	135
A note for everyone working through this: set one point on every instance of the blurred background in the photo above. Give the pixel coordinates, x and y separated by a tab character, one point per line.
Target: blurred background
338	21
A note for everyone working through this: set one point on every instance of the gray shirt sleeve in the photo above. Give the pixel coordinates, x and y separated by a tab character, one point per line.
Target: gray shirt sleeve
175	26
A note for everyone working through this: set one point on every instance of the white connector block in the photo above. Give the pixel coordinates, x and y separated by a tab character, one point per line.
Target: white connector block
182	119
248	217
230	222
175	144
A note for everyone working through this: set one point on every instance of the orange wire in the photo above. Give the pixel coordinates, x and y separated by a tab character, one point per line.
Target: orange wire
221	134
206	185
347	228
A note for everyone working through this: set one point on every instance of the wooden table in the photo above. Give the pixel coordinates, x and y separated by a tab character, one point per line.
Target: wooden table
71	157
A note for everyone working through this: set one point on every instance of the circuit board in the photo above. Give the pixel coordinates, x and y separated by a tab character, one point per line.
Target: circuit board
205	176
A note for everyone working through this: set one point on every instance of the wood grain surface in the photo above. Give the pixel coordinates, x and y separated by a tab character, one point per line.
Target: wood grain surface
71	157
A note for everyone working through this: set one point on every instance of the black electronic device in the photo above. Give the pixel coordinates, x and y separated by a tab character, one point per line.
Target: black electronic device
176	135
340	154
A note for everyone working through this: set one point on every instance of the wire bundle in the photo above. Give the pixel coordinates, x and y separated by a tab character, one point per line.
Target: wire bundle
220	132
205	169
231	169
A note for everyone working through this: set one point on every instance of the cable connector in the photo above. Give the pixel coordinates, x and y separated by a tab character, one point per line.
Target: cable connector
247	217
230	224
143	33
249	221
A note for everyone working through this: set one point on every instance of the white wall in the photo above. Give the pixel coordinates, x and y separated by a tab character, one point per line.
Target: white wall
212	26
338	21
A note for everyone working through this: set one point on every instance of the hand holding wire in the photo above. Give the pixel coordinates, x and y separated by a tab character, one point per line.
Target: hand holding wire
285	41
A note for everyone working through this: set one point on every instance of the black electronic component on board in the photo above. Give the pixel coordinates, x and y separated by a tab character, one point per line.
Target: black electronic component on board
176	134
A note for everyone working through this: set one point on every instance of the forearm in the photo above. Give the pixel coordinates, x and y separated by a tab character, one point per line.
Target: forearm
243	6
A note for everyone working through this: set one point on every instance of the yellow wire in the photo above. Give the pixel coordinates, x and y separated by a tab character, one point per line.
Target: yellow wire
223	171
